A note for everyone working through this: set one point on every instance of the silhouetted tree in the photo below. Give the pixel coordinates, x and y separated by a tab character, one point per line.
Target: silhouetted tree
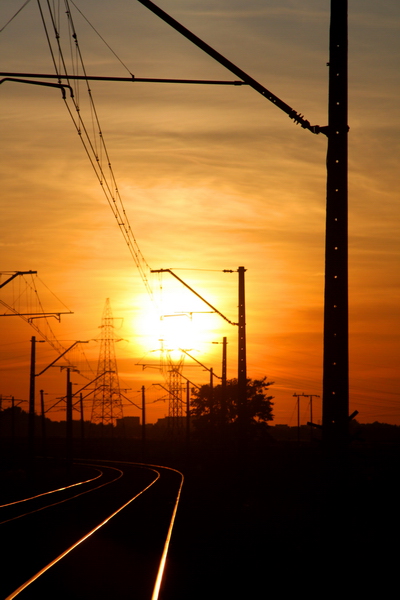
214	407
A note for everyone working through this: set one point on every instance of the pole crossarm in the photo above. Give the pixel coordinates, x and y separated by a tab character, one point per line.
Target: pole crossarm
194	292
132	79
297	118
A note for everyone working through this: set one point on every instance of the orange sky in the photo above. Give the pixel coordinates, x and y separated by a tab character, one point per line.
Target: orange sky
211	178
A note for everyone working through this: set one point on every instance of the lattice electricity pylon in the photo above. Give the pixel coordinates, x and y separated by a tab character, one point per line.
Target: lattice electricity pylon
107	401
172	371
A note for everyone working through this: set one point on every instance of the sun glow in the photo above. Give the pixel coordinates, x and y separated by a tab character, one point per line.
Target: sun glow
173	330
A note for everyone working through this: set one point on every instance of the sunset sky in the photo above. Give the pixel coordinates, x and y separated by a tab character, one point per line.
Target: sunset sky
212	178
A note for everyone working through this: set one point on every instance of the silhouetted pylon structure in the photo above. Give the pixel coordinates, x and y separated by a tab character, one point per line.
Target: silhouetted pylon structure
172	372
107	401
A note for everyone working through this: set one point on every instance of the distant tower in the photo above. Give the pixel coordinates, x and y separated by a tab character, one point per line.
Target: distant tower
107	402
175	388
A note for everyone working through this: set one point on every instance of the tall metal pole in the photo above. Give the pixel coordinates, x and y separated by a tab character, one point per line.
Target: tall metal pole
82	422
298	415
31	419
335	407
187	415
69	418
212	408
12	427
223	382
224	358
311	396
143	420
43	418
298	418
242	364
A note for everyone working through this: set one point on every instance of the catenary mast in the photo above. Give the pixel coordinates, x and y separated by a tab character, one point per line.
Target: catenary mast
335	406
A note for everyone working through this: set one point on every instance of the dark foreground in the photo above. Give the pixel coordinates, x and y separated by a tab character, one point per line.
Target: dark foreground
276	521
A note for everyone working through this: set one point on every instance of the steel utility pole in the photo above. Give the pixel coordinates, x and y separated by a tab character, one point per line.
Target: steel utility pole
224	359
187	414
242	362
43	419
32	380
335	404
82	422
69	423
298	396
31	418
311	396
32	392
223	378
143	421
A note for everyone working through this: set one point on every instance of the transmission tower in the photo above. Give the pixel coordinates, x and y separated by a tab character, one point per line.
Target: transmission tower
107	402
175	388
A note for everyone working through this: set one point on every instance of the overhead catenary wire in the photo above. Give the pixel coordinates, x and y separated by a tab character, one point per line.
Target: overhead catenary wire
13	17
34	307
94	144
101	37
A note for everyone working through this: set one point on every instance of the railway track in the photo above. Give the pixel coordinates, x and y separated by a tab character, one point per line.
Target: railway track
104	537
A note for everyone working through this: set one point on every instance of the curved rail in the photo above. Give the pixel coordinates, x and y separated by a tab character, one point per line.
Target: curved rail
81	540
161	568
54	491
66	499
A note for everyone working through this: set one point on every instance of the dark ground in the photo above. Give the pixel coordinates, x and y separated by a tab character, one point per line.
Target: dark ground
277	521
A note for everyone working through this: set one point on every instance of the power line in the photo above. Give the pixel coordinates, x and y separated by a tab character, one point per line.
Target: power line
93	143
13	17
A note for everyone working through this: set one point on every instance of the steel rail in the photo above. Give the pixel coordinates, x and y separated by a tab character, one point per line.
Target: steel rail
161	569
53	491
16	592
31	512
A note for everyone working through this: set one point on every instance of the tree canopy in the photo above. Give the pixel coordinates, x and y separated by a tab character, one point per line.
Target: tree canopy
216	406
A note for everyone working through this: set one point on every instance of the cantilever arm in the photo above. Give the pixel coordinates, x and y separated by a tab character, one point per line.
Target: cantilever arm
60	86
16	272
297	118
200	363
195	293
61	355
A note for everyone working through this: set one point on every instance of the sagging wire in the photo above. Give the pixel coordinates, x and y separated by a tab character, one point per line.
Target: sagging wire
95	147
